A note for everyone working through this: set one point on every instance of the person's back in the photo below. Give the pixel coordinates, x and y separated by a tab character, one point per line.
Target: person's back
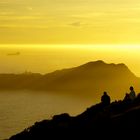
127	97
105	99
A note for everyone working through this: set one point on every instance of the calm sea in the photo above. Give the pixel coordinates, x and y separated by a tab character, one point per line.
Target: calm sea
19	110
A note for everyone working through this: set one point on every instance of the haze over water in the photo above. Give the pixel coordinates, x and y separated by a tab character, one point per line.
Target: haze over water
19	110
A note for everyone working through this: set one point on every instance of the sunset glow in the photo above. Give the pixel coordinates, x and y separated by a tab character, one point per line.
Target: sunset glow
69	69
70	21
68	33
48	58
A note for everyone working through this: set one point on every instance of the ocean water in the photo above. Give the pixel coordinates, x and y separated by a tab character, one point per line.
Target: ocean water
21	109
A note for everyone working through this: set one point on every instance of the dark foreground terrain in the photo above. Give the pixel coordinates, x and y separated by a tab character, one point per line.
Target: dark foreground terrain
119	120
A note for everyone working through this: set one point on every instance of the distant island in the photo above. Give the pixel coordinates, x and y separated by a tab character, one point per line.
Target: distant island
89	80
120	119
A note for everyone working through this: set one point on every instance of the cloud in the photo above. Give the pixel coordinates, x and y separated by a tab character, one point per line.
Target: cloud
3	2
29	8
23	26
7	13
5	17
76	24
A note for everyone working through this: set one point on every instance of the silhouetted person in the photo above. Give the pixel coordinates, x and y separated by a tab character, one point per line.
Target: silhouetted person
127	97
132	93
105	99
126	100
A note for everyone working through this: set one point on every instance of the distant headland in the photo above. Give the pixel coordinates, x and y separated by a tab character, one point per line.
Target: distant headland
88	80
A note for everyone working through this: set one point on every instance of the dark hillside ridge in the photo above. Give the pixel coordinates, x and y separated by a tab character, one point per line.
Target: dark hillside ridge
120	119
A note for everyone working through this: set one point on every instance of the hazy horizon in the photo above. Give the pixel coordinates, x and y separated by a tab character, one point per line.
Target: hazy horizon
48	58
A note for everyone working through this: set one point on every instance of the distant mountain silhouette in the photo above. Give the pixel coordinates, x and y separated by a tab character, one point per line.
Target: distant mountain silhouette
89	80
118	120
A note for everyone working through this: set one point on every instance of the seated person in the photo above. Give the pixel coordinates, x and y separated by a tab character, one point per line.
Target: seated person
105	99
132	93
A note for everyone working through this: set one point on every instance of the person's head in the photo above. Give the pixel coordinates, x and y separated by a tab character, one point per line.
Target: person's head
105	93
131	88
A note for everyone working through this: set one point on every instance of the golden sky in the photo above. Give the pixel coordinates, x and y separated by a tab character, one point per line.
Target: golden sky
70	21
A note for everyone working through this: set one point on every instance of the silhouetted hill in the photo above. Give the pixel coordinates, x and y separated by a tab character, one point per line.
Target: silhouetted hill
120	119
93	77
